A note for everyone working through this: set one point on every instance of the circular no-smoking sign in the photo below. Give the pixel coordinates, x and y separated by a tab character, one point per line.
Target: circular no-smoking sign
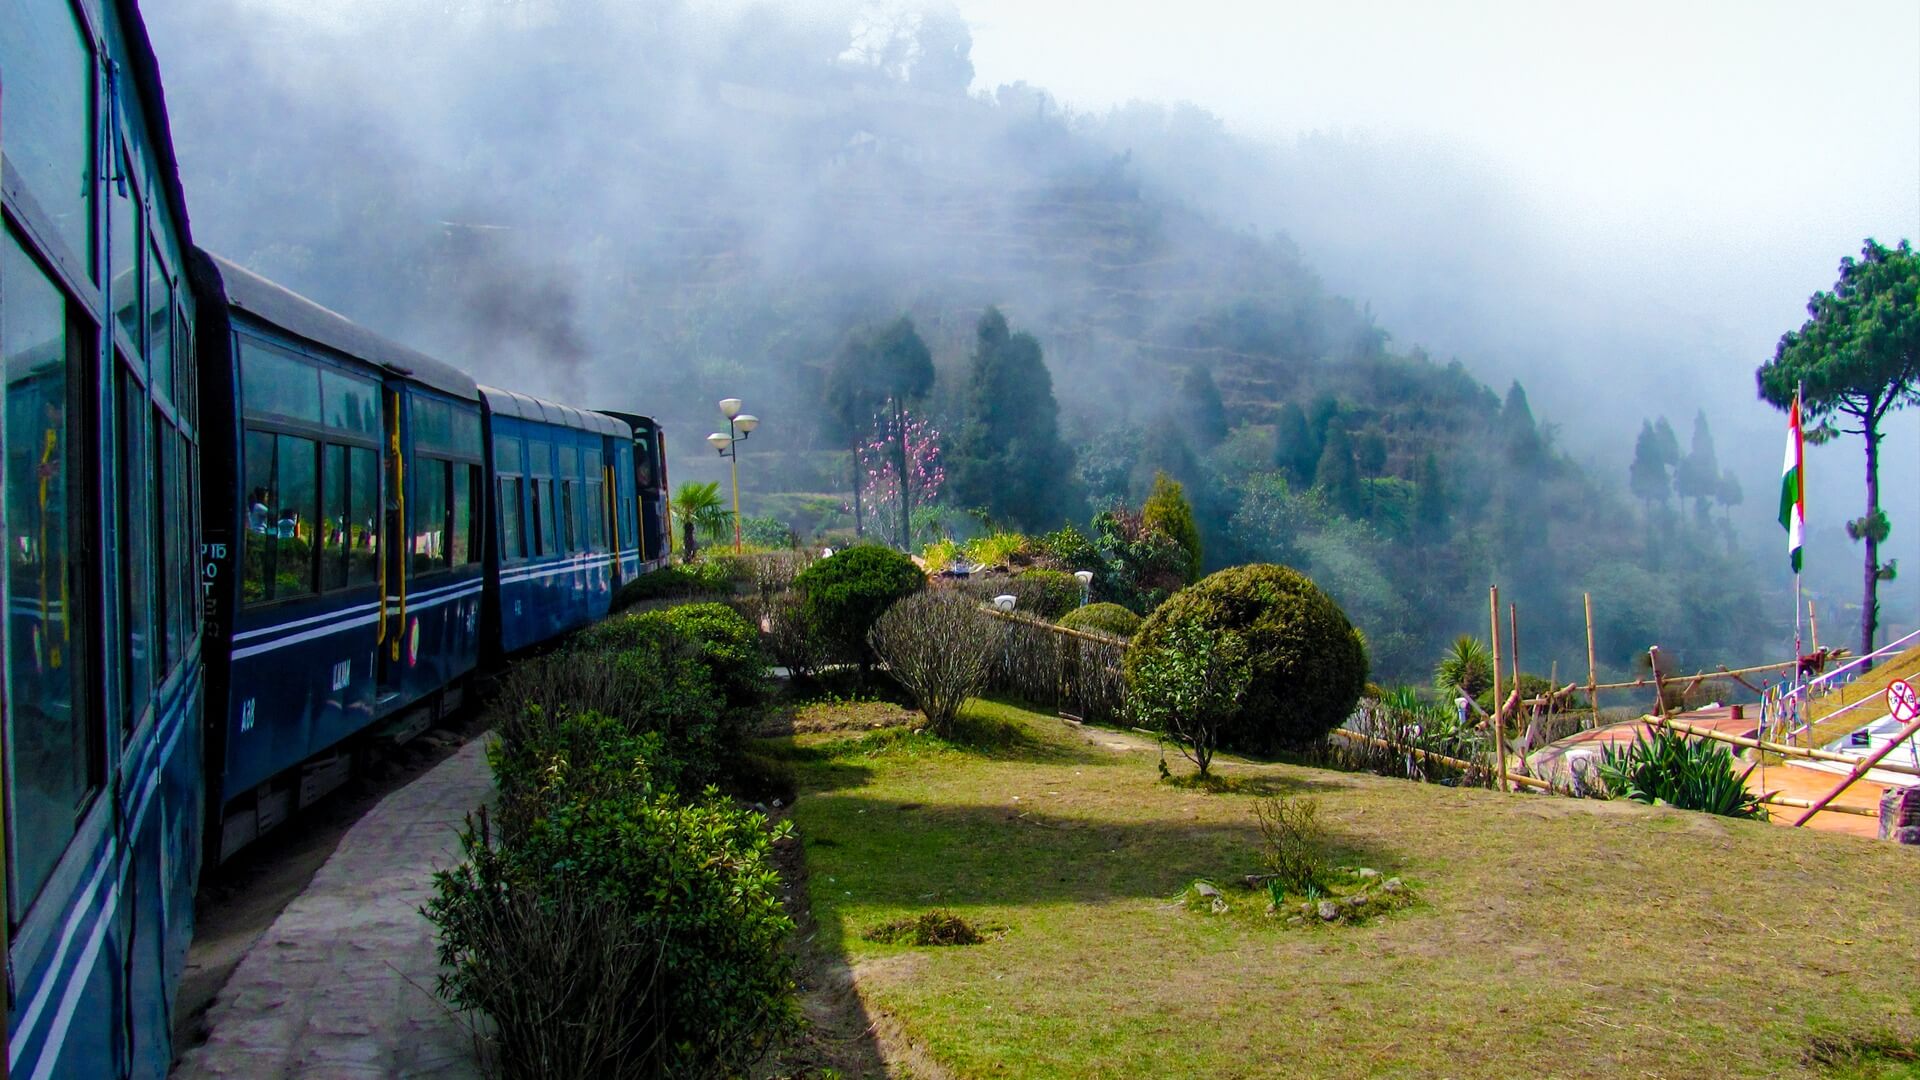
1903	702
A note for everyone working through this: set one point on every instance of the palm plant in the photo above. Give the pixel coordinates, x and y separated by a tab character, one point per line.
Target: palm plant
1465	669
701	514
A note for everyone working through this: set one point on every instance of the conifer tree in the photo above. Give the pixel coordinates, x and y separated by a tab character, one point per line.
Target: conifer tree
1697	477
1337	473
1009	459
1295	453
1167	509
1199	409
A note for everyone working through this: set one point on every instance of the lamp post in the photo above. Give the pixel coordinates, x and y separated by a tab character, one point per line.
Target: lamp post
739	426
1085	578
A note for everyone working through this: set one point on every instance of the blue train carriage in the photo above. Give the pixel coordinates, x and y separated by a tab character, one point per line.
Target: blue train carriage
343	574
647	535
102	636
556	504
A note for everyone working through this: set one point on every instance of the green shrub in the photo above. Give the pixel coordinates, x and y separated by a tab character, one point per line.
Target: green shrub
1692	774
730	646
1067	548
1047	593
1306	665
1292	844
1103	619
674	581
940	647
767	532
843	596
642	673
626	934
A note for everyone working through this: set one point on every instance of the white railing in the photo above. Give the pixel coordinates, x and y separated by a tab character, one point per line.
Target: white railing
1884	650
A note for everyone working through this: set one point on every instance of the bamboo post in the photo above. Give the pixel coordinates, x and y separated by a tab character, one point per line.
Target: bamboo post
1813	625
1593	673
1429	755
1774	798
1860	770
1499	708
1513	641
1659	687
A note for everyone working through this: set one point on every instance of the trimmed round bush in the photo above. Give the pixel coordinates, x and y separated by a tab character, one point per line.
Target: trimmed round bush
843	596
1306	664
1047	593
1103	619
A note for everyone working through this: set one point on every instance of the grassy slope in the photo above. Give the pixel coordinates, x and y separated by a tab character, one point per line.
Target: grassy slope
1904	666
1553	937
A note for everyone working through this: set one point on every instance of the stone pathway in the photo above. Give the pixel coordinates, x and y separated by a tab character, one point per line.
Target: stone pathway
341	984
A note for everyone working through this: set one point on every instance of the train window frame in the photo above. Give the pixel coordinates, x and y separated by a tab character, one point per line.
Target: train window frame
85	700
430	471
127	194
133	454
513	517
68	229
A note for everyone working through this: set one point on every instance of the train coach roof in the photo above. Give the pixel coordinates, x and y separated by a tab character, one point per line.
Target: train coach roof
287	310
508	403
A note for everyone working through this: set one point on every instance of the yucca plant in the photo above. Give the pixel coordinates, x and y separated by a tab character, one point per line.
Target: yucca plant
1667	767
1465	669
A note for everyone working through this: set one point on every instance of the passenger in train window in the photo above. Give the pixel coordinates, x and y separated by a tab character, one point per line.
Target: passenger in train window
257	510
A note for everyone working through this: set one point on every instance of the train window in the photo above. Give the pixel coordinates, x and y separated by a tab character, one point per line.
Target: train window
548	524
466	433
178	556
160	507
428	514
432	424
136	549
54	755
363	508
125	240
507	454
643	461
466	495
569	462
188	366
281	505
569	507
513	532
277	385
49	133
596	515
159	324
542	537
336	516
351	403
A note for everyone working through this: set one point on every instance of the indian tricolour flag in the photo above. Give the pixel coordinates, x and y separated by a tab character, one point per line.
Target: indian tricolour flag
1793	487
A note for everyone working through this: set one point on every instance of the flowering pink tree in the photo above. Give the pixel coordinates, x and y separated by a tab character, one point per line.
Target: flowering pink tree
878	456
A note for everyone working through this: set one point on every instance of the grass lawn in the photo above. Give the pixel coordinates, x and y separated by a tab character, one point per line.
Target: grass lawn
1551	937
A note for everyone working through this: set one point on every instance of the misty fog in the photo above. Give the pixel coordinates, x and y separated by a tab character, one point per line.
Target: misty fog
649	207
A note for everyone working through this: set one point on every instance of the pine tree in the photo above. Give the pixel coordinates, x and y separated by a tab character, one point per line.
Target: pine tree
1430	498
1697	477
1199	410
1294	451
1009	459
1525	448
1647	477
1337	473
1167	509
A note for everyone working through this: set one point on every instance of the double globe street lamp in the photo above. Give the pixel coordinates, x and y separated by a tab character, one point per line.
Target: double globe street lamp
739	426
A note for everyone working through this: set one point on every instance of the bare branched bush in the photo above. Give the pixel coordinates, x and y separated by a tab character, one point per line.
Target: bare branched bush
790	640
940	647
1293	847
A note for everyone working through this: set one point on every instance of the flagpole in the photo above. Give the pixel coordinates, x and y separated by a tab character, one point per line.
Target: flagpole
1798	674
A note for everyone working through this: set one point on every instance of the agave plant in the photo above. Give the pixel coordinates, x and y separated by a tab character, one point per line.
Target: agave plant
1667	767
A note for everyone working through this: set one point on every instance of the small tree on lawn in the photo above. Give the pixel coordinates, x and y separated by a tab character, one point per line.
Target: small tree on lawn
1190	688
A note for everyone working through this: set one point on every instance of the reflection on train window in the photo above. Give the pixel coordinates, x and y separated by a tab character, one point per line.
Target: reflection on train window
363	529
513	520
136	549
281	506
547	530
124	236
568	506
432	424
336	518
352	404
466	495
159	503
54	754
596	515
273	384
171	517
466	433
428	514
159	324
49	129
541	534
